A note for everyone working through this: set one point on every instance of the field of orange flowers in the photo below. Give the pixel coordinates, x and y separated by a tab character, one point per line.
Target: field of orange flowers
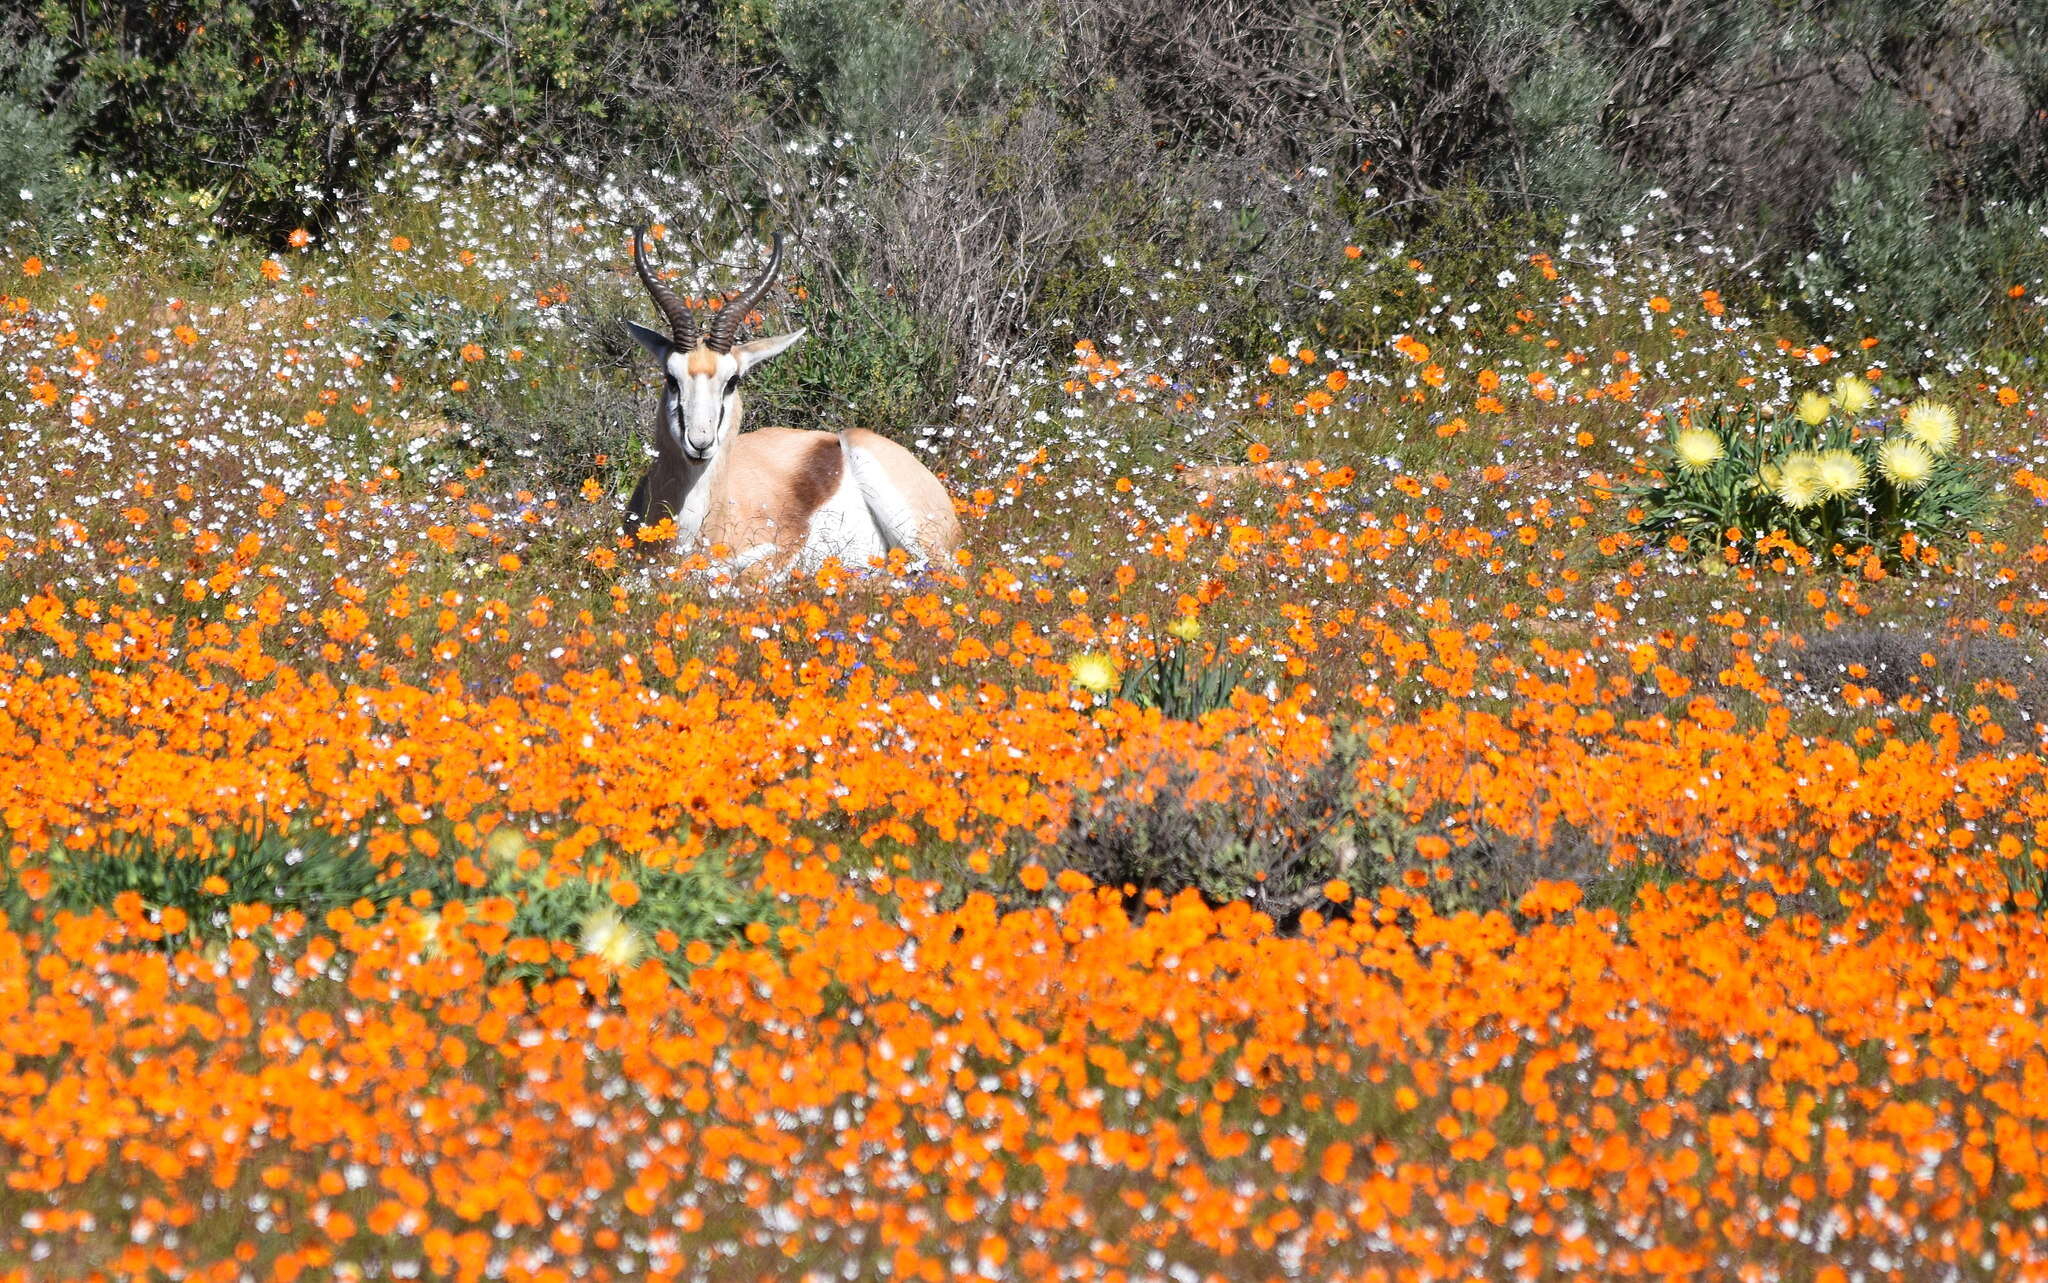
408	877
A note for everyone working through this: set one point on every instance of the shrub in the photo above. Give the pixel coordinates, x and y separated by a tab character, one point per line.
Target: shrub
868	360
1277	847
1887	253
1810	477
1178	681
308	869
548	434
277	107
1282	842
1025	176
41	182
669	909
887	75
314	871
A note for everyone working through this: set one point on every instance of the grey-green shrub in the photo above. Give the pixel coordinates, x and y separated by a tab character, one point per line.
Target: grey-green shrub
42	180
1885	248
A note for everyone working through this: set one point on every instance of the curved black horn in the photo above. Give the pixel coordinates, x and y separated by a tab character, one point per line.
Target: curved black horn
682	322
725	326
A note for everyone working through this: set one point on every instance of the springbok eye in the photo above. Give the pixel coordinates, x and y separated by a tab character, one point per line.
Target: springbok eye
732	385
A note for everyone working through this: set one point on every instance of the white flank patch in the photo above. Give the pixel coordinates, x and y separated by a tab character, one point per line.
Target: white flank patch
842	526
896	521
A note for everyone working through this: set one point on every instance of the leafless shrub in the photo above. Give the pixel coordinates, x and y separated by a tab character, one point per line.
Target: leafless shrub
1273	840
1906	661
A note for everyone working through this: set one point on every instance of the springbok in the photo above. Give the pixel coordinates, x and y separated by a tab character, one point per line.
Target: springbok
776	498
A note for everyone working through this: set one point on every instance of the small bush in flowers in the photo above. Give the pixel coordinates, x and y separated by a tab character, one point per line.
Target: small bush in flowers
1817	477
201	873
645	914
618	911
1282	842
1178	680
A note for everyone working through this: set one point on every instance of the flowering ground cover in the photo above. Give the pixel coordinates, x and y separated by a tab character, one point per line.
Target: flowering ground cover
1324	825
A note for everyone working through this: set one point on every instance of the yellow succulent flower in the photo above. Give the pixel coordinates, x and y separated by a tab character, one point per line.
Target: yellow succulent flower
607	937
1852	394
1698	449
1933	425
1814	409
1839	473
1094	673
1905	463
505	845
1798	481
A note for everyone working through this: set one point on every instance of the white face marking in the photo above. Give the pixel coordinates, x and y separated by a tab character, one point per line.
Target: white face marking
704	387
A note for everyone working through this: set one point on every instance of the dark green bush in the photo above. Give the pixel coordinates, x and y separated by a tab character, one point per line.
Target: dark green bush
1880	155
867	361
1886	248
279	107
306	869
888	74
697	903
548	435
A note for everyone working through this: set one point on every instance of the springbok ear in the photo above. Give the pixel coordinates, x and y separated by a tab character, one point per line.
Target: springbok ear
657	344
752	353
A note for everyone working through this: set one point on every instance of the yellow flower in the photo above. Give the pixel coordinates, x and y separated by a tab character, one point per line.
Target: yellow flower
1094	673
426	935
505	845
1187	628
1852	393
1814	409
1839	473
1698	449
1933	425
1797	484
606	935
1906	464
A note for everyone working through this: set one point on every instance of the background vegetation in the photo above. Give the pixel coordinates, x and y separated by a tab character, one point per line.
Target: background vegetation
1028	171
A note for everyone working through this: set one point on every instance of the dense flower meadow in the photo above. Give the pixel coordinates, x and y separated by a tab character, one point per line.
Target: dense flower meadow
409	876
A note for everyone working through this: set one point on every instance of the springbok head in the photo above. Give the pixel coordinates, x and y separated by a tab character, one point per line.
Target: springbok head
700	407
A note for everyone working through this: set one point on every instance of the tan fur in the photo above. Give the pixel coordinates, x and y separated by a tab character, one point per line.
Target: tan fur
771	480
920	489
766	489
700	361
